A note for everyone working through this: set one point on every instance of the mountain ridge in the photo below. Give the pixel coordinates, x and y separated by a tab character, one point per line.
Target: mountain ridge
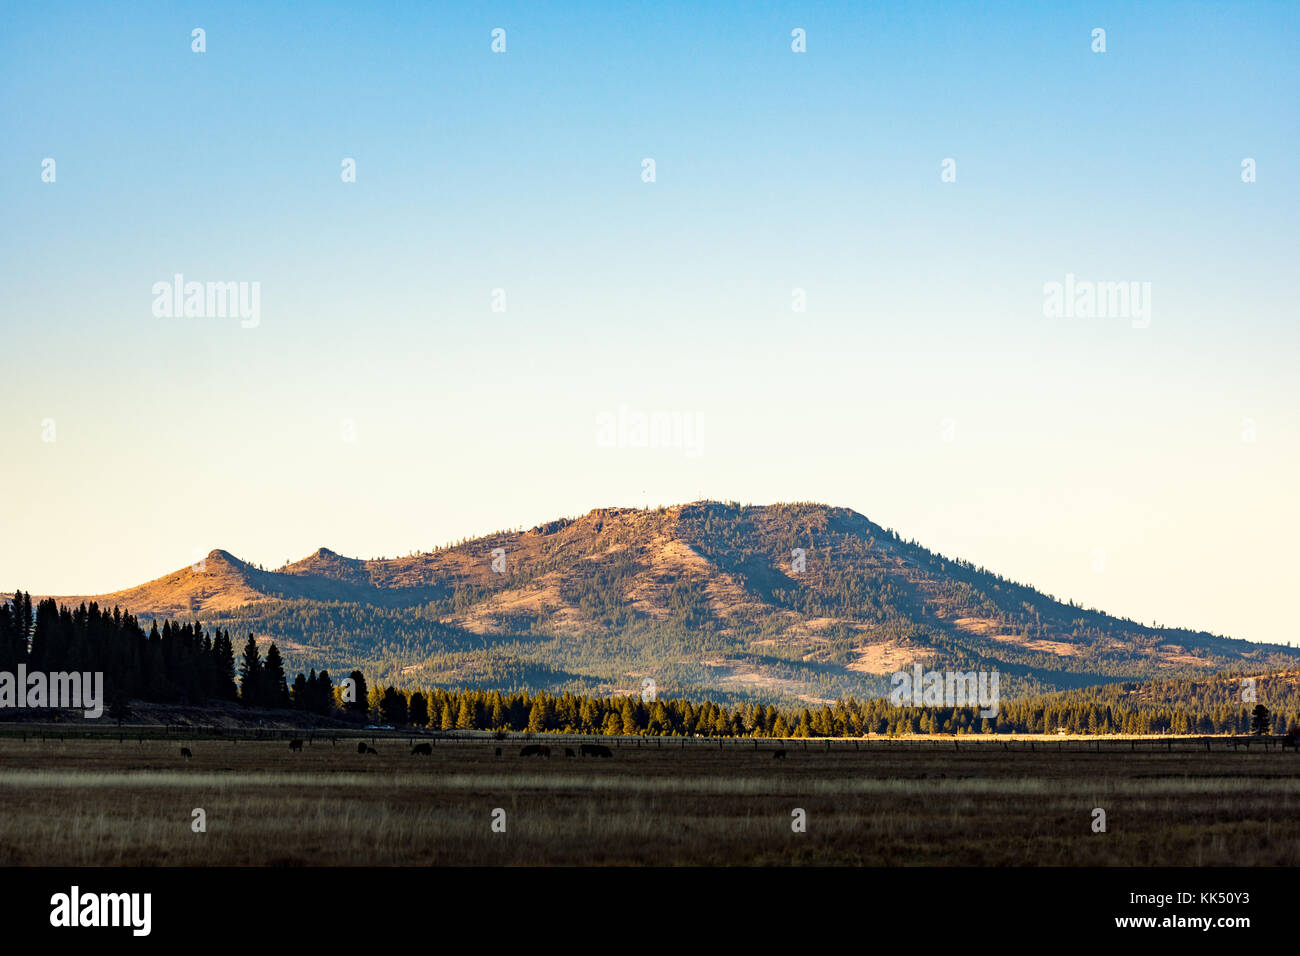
700	597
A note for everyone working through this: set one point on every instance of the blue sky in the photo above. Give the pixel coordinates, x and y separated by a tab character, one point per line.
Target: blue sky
923	386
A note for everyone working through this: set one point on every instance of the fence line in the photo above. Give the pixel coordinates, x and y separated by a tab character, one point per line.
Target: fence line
972	743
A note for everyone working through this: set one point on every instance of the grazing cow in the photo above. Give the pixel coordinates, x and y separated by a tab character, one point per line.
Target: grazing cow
186	753
535	750
595	750
295	745
361	747
372	750
778	754
568	752
426	749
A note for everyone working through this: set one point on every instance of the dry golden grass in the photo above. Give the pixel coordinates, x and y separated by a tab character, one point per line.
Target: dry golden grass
102	802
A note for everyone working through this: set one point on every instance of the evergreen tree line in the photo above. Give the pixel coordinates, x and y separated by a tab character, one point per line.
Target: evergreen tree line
182	663
177	663
475	709
262	683
172	664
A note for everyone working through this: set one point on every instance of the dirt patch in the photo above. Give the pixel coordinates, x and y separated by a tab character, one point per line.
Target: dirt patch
885	658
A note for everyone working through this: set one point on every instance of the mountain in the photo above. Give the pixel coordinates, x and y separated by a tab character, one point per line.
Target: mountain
705	599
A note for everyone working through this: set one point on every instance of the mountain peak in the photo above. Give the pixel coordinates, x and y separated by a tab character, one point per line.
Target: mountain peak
797	600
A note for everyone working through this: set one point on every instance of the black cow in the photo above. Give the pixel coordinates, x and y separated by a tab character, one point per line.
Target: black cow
295	745
372	750
185	752
568	752
535	750
778	754
361	747
595	750
426	749
498	751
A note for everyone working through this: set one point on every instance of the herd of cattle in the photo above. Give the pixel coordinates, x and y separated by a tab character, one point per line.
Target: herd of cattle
541	750
528	750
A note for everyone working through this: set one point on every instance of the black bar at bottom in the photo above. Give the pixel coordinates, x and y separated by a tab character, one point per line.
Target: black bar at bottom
948	906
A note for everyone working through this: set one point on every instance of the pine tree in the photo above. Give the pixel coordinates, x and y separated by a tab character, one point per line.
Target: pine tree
537	718
250	675
226	689
360	702
588	716
628	719
465	718
1259	720
277	693
419	710
323	698
299	694
393	707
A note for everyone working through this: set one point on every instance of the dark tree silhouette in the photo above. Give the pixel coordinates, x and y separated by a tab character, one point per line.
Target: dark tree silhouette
1259	720
358	706
419	710
393	707
250	675
273	677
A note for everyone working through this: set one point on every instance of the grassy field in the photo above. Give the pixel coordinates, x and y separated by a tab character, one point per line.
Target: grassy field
104	802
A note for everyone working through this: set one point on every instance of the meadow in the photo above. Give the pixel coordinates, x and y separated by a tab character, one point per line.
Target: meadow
93	802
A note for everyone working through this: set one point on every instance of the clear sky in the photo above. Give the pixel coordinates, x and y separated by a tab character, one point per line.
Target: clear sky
923	386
